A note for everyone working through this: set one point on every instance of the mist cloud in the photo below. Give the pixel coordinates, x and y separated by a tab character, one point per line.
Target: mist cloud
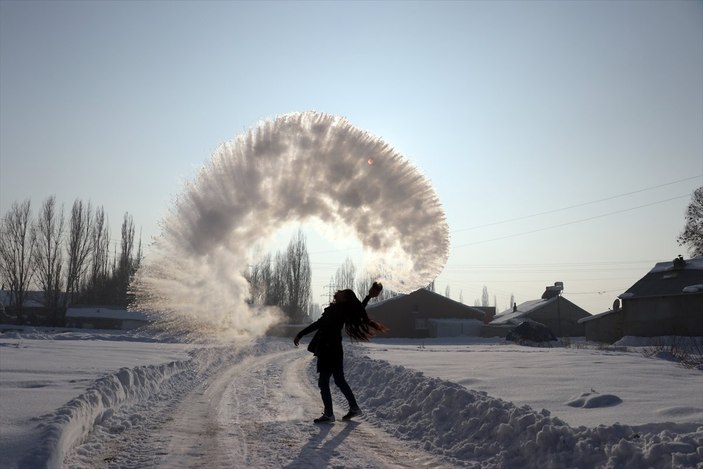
297	167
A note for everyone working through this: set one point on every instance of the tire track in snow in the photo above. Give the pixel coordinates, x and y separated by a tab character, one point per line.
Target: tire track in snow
258	413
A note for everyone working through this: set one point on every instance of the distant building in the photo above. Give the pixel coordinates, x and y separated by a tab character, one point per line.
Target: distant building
33	309
604	327
667	301
553	310
101	317
423	314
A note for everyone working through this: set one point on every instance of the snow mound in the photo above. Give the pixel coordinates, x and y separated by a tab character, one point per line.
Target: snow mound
593	399
466	426
50	333
71	424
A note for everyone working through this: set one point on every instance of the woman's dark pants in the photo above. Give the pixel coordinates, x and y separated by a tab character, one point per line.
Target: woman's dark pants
324	384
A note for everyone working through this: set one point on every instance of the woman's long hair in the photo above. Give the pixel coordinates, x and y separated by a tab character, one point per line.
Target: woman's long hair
357	323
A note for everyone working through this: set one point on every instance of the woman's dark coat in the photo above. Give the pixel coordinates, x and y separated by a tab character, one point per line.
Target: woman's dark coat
326	344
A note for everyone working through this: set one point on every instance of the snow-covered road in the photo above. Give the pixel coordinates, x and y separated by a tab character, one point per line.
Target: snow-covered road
256	412
266	401
252	405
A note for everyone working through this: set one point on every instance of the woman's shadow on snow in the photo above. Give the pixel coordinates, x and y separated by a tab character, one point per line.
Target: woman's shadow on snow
317	452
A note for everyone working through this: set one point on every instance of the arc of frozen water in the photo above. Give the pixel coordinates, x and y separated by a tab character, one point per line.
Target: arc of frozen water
295	167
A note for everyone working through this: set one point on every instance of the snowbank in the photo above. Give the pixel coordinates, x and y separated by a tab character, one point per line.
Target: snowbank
68	426
469	427
466	425
71	423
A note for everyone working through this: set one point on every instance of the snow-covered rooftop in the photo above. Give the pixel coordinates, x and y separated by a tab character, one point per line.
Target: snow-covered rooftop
524	308
669	278
695	263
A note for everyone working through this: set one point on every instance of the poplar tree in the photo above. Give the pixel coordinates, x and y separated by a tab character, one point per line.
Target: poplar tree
78	249
48	232
298	278
484	297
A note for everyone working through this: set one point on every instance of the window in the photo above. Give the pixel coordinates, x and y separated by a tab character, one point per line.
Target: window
421	324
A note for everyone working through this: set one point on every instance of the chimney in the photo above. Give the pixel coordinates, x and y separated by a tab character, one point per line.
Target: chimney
551	292
679	263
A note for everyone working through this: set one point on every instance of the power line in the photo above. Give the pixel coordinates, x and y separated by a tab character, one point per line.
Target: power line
571	222
581	267
577	205
490	270
555	264
597	292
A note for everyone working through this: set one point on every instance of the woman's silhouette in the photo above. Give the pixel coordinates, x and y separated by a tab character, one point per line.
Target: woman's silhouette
345	311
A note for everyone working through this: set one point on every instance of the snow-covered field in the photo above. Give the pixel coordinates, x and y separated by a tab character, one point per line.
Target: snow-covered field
90	399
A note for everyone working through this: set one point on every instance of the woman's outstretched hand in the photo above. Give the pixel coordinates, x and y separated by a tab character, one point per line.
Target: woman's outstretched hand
296	340
375	289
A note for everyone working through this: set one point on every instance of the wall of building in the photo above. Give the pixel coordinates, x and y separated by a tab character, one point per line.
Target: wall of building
607	328
680	315
561	317
410	315
455	327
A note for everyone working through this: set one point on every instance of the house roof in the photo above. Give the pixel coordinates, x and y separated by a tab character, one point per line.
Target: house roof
668	279
423	292
523	309
387	300
599	315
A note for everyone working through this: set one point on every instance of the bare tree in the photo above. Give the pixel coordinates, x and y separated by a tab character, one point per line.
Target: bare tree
258	277
127	244
128	263
484	297
448	292
298	278
16	254
314	311
48	232
137	260
276	292
79	248
100	260
692	234
344	277
363	284
266	278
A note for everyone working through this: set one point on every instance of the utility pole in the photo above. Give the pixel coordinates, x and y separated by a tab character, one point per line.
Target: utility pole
331	290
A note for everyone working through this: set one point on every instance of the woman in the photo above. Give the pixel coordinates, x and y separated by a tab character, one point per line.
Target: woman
345	311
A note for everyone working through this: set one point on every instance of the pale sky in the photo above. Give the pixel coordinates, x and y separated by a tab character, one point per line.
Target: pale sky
564	139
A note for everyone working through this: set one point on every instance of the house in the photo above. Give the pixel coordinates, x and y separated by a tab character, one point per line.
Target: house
668	300
34	311
101	317
605	327
424	313
553	310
